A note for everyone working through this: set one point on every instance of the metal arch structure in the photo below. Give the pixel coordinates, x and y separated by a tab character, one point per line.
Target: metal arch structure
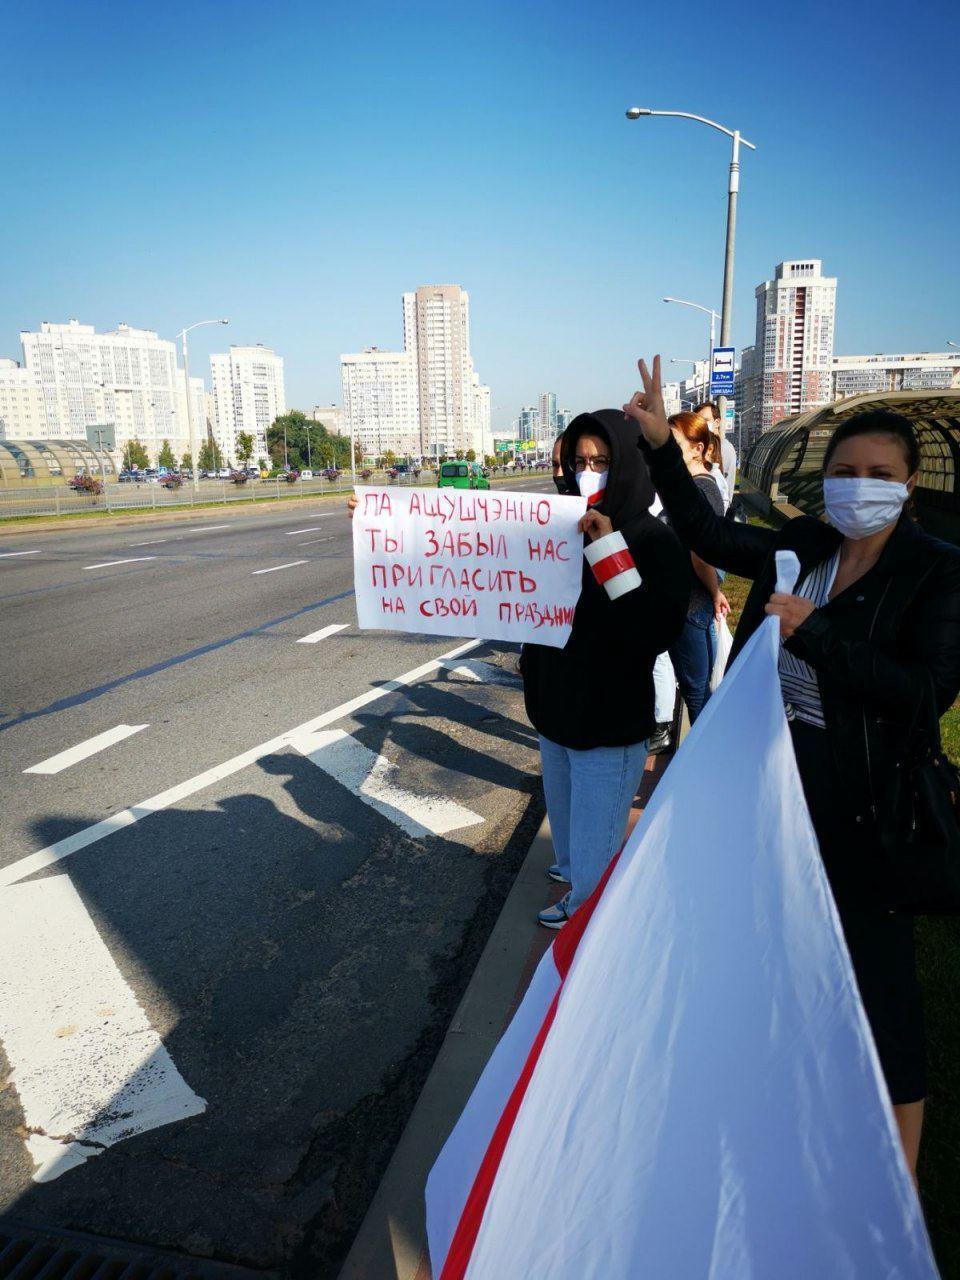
785	464
45	462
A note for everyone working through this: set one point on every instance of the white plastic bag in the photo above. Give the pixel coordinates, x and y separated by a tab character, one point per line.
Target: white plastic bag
724	645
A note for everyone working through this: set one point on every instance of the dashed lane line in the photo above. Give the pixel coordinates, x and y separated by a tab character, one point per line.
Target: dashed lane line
173	795
83	750
277	567
207	528
316	636
311	542
153	542
289	533
9	555
108	564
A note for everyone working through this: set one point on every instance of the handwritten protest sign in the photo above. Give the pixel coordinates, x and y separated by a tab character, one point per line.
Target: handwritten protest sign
461	563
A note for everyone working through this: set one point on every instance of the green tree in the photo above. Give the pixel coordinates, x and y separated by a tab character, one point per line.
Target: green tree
209	458
165	457
470	455
459	455
262	464
489	460
186	462
244	447
322	443
135	455
389	458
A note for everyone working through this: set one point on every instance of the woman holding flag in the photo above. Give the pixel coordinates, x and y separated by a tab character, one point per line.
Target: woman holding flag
870	658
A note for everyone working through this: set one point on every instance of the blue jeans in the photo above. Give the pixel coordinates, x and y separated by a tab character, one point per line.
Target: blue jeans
589	794
692	656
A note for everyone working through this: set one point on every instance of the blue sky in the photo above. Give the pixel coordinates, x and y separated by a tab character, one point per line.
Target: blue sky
296	166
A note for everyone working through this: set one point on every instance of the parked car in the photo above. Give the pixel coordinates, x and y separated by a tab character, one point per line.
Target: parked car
254	472
331	473
224	473
126	477
306	474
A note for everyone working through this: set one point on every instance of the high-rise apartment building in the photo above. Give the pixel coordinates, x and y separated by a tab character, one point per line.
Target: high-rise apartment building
564	418
128	377
547	405
248	394
22	413
922	371
483	443
528	423
794	340
381	401
330	416
436	332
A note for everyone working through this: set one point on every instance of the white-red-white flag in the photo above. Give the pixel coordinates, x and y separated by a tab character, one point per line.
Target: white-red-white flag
690	1090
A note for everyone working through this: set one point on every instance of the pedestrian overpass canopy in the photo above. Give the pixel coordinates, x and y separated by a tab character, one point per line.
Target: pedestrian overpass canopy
786	463
33	462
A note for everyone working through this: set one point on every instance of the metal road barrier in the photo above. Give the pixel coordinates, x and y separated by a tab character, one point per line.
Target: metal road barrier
58	500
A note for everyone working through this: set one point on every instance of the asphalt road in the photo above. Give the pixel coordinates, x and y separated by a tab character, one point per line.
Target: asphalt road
243	877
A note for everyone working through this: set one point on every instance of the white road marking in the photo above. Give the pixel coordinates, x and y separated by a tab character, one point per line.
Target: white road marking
57	763
89	1068
312	541
288	533
372	778
173	795
277	567
205	528
154	542
322	634
9	555
107	564
483	673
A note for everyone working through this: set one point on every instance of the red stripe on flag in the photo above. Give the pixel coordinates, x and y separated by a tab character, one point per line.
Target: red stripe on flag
611	565
563	951
596	497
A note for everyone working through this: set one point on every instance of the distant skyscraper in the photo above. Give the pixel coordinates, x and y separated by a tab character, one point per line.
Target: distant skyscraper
528	423
924	371
564	418
794	342
671	398
248	394
127	377
547	405
436	332
381	401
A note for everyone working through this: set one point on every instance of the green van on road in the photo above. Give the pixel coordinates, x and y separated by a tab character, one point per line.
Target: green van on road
462	475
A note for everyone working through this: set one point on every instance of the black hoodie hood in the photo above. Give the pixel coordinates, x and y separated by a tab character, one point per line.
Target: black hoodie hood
629	490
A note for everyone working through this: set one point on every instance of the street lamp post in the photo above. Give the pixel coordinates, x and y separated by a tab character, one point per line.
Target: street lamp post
182	335
714	317
733	189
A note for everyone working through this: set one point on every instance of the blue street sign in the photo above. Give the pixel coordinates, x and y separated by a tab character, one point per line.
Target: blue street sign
721	374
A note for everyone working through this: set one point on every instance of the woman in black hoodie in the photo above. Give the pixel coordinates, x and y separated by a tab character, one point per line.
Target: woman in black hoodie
592	701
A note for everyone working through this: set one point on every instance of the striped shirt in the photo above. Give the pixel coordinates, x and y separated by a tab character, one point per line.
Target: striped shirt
798	681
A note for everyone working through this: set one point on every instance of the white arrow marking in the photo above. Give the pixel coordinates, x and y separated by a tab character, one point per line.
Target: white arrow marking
371	777
89	1068
82	750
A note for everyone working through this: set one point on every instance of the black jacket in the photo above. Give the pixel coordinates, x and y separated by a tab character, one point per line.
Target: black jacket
879	648
598	690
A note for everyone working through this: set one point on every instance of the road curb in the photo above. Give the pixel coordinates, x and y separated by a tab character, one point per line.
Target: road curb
391	1242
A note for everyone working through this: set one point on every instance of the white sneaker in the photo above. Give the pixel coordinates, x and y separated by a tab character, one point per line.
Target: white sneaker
555	873
555	917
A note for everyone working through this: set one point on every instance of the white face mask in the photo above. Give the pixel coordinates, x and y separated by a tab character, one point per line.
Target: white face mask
859	507
591	484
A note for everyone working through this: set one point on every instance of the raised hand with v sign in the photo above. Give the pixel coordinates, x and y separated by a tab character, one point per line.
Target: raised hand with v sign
646	406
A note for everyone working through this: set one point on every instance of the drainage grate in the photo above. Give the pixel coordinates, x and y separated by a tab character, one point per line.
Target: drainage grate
36	1253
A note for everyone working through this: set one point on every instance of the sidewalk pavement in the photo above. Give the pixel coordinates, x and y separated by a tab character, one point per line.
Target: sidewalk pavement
391	1243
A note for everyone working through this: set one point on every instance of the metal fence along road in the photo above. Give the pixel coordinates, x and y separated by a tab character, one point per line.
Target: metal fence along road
58	500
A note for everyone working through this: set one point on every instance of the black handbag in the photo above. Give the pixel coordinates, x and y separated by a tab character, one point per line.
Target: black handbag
920	826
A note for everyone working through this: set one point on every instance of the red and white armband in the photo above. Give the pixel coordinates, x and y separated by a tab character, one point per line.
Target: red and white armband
612	564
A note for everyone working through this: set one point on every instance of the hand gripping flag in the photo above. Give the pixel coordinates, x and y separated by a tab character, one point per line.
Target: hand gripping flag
689	1090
